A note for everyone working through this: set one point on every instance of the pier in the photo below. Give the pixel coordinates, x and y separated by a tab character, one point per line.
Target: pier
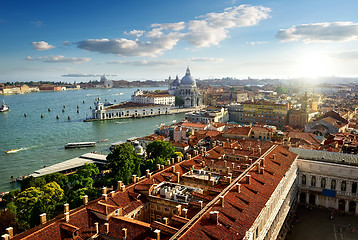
71	165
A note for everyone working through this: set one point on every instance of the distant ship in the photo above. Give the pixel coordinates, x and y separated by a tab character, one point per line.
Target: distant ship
80	145
3	107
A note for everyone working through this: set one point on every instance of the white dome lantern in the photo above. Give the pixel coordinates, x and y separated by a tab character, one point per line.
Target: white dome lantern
188	79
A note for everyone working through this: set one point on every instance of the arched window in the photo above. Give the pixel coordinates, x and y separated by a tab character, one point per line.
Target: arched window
313	181
323	183
303	180
354	187
343	186
333	184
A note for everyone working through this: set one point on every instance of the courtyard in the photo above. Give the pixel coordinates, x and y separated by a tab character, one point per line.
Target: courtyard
320	224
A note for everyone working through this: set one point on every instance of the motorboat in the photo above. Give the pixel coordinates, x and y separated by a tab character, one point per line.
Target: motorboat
12	150
3	107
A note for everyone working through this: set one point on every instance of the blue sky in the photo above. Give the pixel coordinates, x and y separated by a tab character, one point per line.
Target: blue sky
139	40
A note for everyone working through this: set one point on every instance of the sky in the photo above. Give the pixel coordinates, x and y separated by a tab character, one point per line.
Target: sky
154	39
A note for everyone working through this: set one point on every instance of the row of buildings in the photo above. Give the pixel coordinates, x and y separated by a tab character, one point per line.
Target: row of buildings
21	89
238	189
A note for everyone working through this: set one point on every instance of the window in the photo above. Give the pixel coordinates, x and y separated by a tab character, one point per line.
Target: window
303	180
323	183
333	184
354	187
343	186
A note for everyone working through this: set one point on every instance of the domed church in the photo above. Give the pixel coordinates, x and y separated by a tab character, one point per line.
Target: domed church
186	89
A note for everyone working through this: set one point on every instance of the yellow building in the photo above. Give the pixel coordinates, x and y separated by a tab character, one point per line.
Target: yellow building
265	113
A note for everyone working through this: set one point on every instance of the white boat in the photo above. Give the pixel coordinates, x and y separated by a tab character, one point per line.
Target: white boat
80	144
3	107
12	150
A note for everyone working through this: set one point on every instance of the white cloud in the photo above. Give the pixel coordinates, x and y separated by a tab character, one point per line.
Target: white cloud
208	30
163	62
320	32
351	56
37	23
136	33
59	59
170	26
255	43
126	47
206	59
42	45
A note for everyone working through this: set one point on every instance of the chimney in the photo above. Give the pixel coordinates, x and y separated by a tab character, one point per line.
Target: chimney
165	220
111	194
263	162
42	218
258	167
185	212
137	179
229	179
212	182
97	229
273	156
66	207
262	170
173	160
212	162
214	216
203	163
233	166
105	197
10	232
173	169
123	188
246	158
124	230
162	167
147	173
201	204
178	177
168	162
259	150
158	166
228	169
157	233
5	237
250	161
106	225
67	216
178	211
222	202
85	200
119	184
238	187
134	178
248	179
209	176
104	190
225	163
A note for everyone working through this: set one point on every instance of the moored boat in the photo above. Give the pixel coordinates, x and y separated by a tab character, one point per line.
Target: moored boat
80	144
3	107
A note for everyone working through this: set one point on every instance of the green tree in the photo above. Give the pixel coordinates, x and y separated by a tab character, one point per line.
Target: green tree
59	178
83	178
281	90
53	195
162	149
178	101
124	162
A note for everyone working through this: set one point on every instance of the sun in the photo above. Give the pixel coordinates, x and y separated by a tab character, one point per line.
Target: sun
314	64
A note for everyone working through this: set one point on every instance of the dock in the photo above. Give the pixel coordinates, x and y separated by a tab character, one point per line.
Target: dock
71	165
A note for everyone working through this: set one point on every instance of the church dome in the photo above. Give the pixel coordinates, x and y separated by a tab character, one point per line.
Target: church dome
187	79
176	82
